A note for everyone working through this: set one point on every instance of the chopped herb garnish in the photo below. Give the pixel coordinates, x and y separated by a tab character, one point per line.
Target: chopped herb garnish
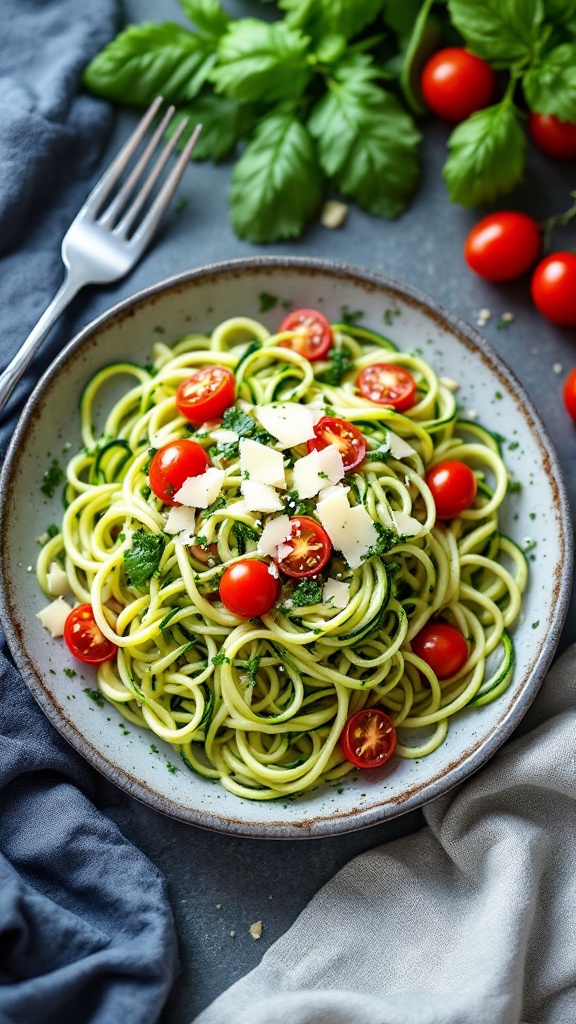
219	503
297	506
94	695
52	477
141	561
243	533
220	658
252	667
514	486
379	454
351	317
341	360
239	421
154	749
387	539
70	672
53	530
307	592
267	301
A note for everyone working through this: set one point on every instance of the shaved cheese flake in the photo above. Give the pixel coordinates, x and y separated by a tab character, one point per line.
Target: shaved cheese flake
336	592
261	464
312	471
275	532
54	616
57	581
351	530
331	490
201	491
407	525
180	518
260	497
331	463
398	447
290	423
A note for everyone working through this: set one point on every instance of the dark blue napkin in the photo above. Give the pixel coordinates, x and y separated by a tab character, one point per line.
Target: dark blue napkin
86	931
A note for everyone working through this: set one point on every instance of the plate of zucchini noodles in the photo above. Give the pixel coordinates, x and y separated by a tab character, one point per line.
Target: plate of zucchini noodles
287	548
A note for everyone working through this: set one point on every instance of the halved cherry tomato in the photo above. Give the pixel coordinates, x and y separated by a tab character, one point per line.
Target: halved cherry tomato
442	647
310	548
173	464
503	245
344	436
368	739
205	394
453	486
248	588
455	83
569	393
388	384
553	288
313	334
554	137
84	638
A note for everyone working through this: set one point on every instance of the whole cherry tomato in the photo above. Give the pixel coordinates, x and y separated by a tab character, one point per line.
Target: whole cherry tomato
84	638
388	384
455	83
173	464
344	436
442	647
310	548
503	245
248	588
312	336
453	486
555	138
569	394
553	288
368	739
205	394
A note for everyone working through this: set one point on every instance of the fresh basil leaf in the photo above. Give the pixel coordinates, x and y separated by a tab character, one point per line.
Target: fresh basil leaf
424	39
261	61
322	17
367	143
148	60
550	88
142	559
486	155
500	31
331	48
207	15
223	122
276	184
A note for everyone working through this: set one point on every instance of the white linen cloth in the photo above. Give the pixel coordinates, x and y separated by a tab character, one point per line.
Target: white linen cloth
471	920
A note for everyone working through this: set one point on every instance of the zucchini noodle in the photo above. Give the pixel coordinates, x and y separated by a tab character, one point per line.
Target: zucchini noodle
260	704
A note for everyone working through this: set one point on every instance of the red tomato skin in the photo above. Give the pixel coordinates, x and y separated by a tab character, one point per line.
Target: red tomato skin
503	245
400	396
84	638
352	447
315	330
173	464
569	394
455	83
322	551
554	137
553	288
248	588
453	486
442	647
219	385
358	728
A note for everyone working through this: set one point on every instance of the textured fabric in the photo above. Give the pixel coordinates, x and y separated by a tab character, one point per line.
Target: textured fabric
86	932
472	920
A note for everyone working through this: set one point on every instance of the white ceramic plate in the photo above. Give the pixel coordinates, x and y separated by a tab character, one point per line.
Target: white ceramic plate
197	301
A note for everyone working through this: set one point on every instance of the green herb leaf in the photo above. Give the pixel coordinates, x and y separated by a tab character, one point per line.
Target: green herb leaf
261	61
219	503
550	87
207	15
341	360
307	592
366	141
223	122
323	17
387	539
500	31
252	666
52	477
244	533
239	421
149	60
297	506
276	184
141	561
486	155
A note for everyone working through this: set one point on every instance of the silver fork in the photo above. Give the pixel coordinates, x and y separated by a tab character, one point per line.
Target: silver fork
104	242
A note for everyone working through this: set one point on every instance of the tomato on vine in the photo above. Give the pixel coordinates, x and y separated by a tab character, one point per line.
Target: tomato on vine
553	288
455	84
503	245
554	137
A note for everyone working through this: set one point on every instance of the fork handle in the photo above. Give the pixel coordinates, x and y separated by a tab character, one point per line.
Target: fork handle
16	367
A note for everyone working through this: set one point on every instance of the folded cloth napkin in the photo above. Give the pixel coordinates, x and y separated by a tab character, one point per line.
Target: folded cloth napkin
472	920
86	931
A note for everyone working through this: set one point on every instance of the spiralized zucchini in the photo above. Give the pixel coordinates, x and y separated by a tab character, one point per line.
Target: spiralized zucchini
260	704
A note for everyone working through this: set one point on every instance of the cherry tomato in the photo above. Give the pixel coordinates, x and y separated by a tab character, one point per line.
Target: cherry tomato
205	394
248	588
455	83
84	638
313	334
344	436
503	245
172	465
555	138
453	486
442	647
554	288
569	393
368	739
310	548
388	384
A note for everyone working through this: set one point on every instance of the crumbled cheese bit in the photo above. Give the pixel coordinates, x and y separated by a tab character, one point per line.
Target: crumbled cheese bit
447	382
256	929
276	532
290	423
351	530
273	570
312	472
485	314
57	580
201	491
261	464
472	414
336	592
398	447
508	318
557	367
333	214
232	934
179	518
54	616
406	525
260	497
